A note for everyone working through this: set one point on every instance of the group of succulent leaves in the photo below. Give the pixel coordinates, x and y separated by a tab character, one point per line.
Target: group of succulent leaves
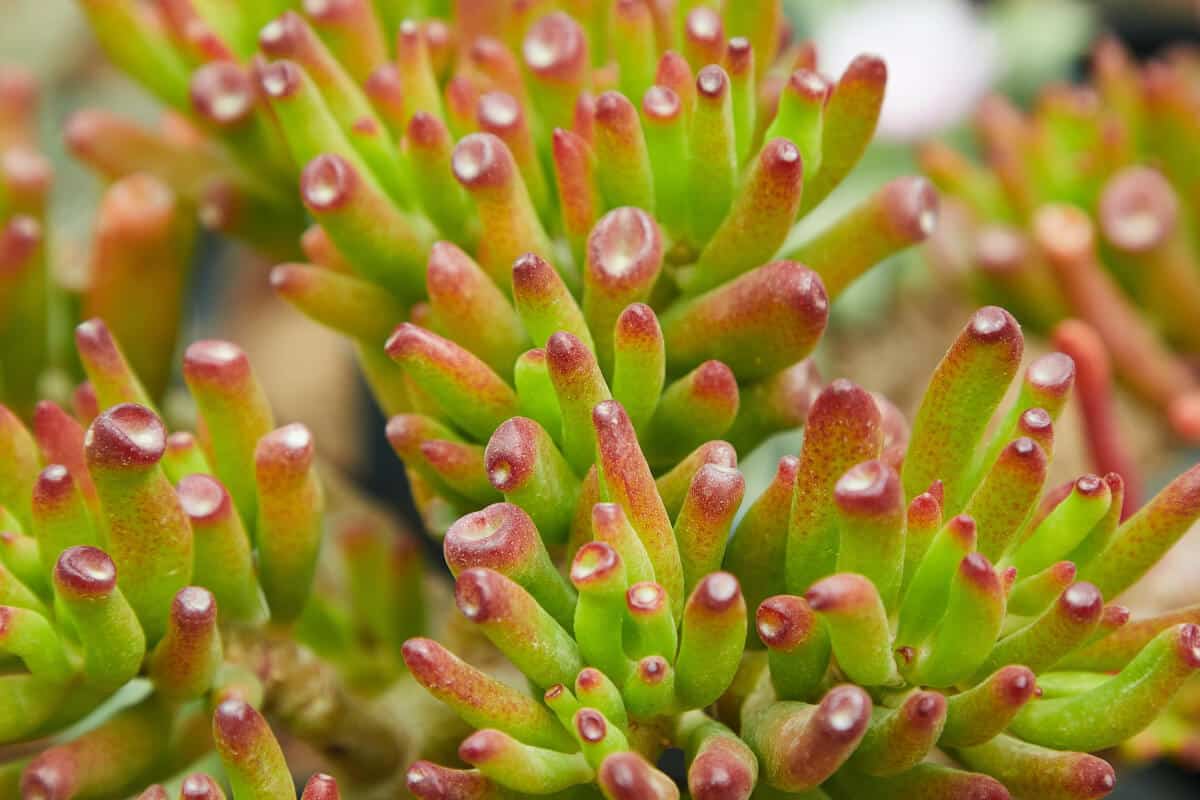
912	594
1085	208
647	154
134	275
186	560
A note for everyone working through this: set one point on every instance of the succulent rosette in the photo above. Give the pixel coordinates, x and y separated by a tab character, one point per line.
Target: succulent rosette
178	573
1085	207
891	617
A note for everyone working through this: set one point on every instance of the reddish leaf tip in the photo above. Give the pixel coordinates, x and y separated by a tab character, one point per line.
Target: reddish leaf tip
652	670
215	360
712	82
54	484
194	608
871	487
925	708
1053	372
202	497
126	435
1015	684
661	104
482	160
783	621
555	47
1189	644
290	446
646	597
199	786
511	453
625	248
280	79
844	712
1138	209
321	787
594	563
327	182
238	726
718	591
500	534
993	324
222	92
1082	601
86	571
1036	422
589	679
590	725
478	593
1093	777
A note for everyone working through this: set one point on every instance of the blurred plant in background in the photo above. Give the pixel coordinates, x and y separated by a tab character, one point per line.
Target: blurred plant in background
1084	208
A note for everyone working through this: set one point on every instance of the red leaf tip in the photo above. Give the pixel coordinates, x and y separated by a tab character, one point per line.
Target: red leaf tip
237	725
1138	209
501	534
652	670
280	79
321	787
481	746
712	82
645	597
1052	372
844	712
199	786
202	497
555	47
482	159
594	562
1082	601
126	435
215	360
86	571
783	621
1189	644
194	608
718	591
992	323
661	103
871	487
327	182
590	725
223	92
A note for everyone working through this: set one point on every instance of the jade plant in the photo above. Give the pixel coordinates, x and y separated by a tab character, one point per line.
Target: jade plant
1084	207
882	607
158	589
501	174
559	236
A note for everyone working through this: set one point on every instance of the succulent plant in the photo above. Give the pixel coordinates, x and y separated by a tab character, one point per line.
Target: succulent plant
579	215
1085	207
513	172
880	601
178	571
